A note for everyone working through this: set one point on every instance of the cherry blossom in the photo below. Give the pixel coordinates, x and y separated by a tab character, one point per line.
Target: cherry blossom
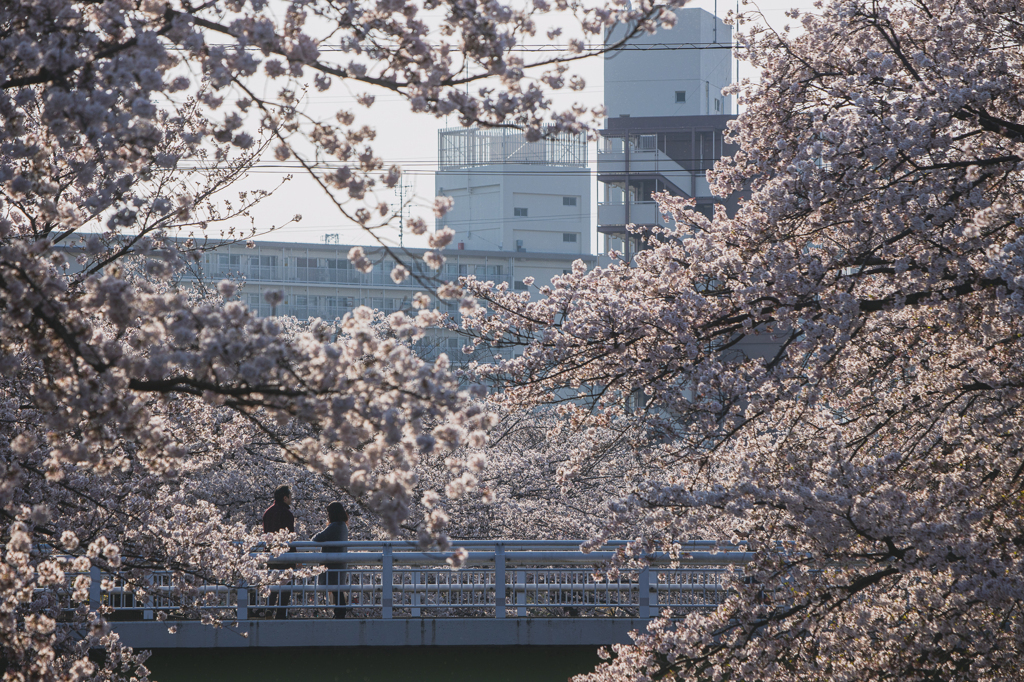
131	405
833	375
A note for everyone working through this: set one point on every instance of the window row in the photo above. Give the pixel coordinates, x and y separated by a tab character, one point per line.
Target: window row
305	305
524	211
336	270
480	271
681	98
692	149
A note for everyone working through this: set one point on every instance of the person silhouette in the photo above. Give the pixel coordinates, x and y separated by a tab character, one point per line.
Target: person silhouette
336	531
279	517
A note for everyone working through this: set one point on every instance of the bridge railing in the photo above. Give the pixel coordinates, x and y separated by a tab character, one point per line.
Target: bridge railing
395	580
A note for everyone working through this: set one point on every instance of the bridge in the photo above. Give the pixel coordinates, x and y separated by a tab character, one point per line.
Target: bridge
505	593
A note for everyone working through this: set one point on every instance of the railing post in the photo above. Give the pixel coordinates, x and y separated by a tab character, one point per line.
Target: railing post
521	593
147	613
499	580
242	600
417	576
95	585
645	592
654	591
387	580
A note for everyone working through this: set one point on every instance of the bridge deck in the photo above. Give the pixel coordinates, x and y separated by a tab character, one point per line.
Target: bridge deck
371	632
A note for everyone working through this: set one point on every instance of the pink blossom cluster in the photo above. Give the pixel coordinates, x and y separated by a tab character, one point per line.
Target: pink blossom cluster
833	375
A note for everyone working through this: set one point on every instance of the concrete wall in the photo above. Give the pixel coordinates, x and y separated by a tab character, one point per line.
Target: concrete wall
644	82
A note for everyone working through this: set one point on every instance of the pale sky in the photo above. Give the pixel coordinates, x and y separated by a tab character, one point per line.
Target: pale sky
410	140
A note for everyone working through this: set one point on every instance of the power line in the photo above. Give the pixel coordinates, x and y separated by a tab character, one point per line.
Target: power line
579	172
540	47
429	166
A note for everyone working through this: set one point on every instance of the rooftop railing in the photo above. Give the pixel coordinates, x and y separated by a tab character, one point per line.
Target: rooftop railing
468	147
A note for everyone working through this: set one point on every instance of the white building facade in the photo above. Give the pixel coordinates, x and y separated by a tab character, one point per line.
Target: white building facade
679	71
666	121
513	195
521	210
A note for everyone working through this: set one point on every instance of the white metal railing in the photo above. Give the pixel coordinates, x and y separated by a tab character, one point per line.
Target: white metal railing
393	580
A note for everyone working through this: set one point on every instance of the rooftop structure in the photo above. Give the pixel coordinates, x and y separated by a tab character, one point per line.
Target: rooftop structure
469	147
679	71
515	195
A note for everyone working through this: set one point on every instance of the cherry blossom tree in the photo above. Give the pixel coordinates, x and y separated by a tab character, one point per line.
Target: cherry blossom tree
834	374
119	392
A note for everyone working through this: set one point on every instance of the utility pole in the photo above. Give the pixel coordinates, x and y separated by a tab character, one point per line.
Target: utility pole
403	189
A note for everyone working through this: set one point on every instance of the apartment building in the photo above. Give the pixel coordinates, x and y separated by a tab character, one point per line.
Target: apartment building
522	210
318	280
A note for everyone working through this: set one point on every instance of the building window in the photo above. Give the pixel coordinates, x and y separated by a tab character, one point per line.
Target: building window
520	286
338	304
568	201
519	212
680	96
718	104
569	237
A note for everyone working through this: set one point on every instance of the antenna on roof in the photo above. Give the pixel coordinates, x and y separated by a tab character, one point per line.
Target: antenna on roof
716	21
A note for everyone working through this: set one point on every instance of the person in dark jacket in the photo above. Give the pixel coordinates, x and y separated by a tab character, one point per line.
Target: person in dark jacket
336	531
279	517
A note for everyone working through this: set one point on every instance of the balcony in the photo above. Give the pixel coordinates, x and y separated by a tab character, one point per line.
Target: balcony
650	162
379	277
640	213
